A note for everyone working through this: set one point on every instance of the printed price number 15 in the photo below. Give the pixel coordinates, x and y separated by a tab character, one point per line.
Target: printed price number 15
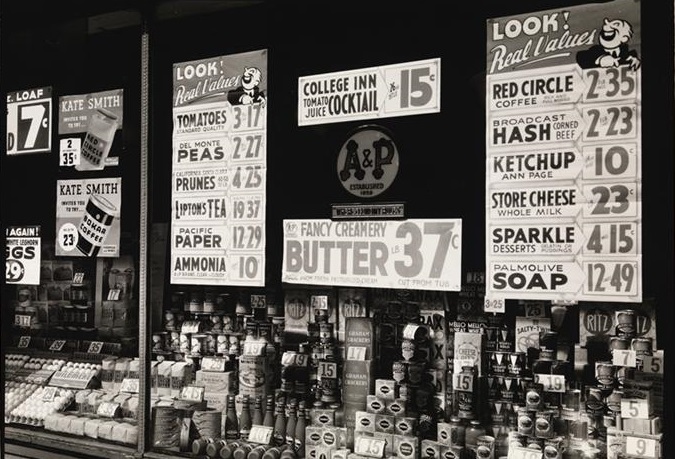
418	86
327	370
611	278
462	382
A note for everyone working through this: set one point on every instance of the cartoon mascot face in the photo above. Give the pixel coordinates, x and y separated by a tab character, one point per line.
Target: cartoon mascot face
614	33
251	78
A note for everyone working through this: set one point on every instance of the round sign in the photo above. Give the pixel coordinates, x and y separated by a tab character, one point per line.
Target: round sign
368	161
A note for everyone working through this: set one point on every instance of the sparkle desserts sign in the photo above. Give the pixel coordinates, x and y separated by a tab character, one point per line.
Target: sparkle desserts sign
563	144
424	254
219	170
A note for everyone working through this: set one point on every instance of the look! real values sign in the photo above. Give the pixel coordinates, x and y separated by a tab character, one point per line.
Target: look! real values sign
563	143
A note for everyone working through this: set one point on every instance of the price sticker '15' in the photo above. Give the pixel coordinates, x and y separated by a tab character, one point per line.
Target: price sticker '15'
641	447
369	446
462	382
327	370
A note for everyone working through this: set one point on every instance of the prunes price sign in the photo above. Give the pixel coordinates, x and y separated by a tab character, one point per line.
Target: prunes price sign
410	88
422	254
219	170
563	168
29	121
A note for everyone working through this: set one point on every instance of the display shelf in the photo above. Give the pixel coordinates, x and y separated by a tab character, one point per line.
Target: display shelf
39	439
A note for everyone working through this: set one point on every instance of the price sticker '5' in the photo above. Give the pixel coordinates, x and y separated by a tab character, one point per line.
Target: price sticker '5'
653	363
632	408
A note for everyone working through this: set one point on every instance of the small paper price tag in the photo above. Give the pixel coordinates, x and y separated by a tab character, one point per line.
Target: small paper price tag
22	320
462	382
518	452
369	446
95	347
258	302
327	370
623	358
495	304
634	408
254	348
114	294
301	360
551	383
78	278
356	353
211	363
319	301
24	341
260	434
192	393
69	151
57	345
288	358
49	393
108	409
641	447
129	385
653	363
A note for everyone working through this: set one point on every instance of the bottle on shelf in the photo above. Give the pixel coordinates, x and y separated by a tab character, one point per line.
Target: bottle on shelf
299	437
274	452
258	451
213	448
242	451
245	421
227	451
291	422
257	416
279	432
268	420
231	420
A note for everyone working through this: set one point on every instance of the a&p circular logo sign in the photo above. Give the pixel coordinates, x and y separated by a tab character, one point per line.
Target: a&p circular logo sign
368	161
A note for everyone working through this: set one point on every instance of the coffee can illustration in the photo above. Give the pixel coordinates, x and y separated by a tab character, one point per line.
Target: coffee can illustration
95	224
98	140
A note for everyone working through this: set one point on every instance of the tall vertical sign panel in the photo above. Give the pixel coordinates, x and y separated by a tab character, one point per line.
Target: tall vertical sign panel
219	170
563	143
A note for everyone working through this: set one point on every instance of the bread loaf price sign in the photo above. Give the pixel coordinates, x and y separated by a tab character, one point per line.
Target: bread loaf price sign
422	254
563	168
29	121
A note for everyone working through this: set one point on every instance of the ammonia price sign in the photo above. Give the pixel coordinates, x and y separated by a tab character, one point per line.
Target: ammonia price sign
422	254
563	169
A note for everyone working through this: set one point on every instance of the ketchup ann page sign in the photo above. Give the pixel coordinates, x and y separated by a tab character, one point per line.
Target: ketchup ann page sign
411	88
563	143
219	170
424	254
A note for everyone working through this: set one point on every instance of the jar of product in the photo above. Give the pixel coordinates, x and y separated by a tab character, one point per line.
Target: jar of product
98	140
473	431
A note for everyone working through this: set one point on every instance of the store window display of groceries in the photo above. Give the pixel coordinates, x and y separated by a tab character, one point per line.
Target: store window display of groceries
344	373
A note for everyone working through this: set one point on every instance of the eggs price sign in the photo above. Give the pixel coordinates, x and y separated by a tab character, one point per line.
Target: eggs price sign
422	254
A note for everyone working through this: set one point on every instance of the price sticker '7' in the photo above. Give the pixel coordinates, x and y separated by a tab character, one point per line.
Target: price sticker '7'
641	447
623	358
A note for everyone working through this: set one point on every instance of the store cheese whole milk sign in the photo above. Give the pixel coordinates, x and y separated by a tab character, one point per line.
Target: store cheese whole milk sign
563	144
219	170
422	254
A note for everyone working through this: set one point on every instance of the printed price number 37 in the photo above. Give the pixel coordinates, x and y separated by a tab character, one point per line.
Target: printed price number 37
611	278
412	232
